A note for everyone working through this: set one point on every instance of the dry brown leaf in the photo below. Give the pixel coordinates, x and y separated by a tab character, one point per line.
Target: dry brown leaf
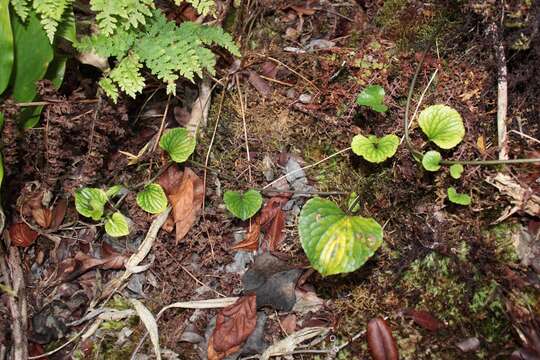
302	10
58	213
289	323
170	179
72	268
21	235
234	324
42	216
259	84
381	343
275	234
251	242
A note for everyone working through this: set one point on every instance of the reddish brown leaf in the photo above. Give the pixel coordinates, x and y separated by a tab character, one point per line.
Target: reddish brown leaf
269	69
42	217
72	268
234	324
186	200
259	84
170	179
58	213
21	235
251	242
275	234
302	10
381	344
289	323
424	319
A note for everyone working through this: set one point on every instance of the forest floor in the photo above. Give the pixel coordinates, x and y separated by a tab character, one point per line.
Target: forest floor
452	281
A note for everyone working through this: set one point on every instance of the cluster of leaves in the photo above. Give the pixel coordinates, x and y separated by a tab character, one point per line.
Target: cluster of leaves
51	13
141	35
443	126
90	202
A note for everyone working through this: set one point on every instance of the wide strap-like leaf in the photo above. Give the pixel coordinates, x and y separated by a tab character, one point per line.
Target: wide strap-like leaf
335	242
6	45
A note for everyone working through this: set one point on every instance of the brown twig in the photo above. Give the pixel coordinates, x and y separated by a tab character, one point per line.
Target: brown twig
243	113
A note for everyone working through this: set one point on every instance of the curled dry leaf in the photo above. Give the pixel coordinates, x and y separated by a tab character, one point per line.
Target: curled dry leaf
21	235
42	216
260	84
251	241
186	195
302	10
72	268
58	213
234	324
381	344
424	319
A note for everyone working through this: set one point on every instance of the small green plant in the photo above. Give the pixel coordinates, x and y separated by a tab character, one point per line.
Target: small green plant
152	199
178	143
243	205
431	161
373	97
456	170
442	125
90	202
374	149
458	198
335	242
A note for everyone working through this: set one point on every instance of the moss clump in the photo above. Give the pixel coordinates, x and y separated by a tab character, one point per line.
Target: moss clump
487	309
501	238
437	286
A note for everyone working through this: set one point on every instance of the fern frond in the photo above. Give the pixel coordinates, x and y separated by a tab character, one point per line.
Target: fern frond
50	14
116	45
127	75
203	7
127	13
109	87
21	8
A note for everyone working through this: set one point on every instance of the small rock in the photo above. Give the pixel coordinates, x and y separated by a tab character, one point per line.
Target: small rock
305	98
468	345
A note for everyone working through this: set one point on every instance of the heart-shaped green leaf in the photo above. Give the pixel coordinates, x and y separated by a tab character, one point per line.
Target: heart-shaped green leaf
116	225
372	97
90	202
245	205
431	161
152	199
335	242
456	170
442	125
179	143
458	198
375	149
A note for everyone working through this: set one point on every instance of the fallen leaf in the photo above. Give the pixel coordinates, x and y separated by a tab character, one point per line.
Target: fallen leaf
424	319
291	342
21	235
289	323
269	69
302	10
42	216
469	344
58	213
275	234
186	195
260	84
251	242
72	268
381	344
234	324
481	144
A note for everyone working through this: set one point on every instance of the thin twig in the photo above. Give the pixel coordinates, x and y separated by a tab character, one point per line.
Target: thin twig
306	167
291	70
243	113
45	103
162	123
502	94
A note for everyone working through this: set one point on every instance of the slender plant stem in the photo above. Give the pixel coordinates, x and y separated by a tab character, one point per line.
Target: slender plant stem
243	112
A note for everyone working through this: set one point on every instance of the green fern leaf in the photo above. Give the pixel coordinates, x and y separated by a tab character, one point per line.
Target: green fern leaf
21	8
127	75
50	13
109	87
129	13
203	7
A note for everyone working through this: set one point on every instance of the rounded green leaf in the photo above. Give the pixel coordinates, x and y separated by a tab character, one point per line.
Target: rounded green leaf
335	242
456	170
152	199
442	125
116	225
374	149
245	205
113	190
179	143
372	97
431	161
457	198
90	202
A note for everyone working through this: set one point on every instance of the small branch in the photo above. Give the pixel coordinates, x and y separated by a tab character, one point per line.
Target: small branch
502	93
45	103
162	123
243	112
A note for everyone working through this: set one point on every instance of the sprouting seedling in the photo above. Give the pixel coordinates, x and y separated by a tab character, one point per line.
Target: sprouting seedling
152	199
456	170
458	198
372	97
374	149
243	205
443	125
90	202
431	161
335	242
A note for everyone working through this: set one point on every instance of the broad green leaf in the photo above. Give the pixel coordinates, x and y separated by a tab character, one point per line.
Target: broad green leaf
375	149
458	198
116	225
431	161
6	45
113	191
179	143
90	202
456	170
442	125
152	199
372	97
245	205
352	203
335	242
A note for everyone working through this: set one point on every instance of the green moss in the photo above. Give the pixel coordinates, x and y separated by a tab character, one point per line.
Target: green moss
440	290
500	237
